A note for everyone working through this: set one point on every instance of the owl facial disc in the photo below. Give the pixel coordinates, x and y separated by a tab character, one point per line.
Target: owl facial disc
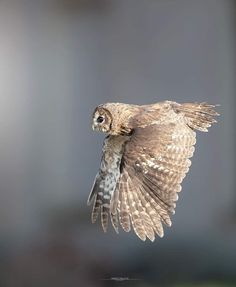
101	120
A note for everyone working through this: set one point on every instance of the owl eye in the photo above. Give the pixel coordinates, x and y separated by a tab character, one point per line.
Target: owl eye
100	119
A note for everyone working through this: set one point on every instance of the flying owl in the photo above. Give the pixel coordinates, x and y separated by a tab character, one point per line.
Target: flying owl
145	159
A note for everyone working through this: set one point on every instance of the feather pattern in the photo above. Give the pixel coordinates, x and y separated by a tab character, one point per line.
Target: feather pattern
145	159
105	182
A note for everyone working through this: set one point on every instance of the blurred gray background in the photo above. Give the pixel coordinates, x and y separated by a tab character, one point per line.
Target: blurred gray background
58	61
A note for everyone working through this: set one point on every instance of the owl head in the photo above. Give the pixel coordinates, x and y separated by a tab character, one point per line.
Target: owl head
102	120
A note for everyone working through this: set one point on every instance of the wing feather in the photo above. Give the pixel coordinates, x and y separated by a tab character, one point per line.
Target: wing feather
141	173
124	214
114	221
134	214
146	220
155	175
151	211
104	216
96	208
105	182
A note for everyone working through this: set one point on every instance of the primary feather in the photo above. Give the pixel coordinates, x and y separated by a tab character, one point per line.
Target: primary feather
145	159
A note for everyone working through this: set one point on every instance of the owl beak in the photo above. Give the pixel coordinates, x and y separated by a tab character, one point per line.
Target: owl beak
94	126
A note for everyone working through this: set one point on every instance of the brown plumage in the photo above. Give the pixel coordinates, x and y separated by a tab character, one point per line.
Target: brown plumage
145	159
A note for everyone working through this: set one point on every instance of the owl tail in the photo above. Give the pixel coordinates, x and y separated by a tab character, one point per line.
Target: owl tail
199	116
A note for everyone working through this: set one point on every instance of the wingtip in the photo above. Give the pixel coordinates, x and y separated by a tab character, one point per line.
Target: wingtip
143	238
116	230
161	235
105	226
93	220
152	239
104	230
140	235
127	229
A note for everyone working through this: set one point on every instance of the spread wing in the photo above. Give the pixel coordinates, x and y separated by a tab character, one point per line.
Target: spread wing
106	181
154	164
141	175
155	161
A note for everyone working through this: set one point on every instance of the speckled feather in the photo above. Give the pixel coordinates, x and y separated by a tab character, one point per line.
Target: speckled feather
145	159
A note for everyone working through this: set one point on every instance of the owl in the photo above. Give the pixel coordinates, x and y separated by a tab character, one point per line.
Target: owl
146	156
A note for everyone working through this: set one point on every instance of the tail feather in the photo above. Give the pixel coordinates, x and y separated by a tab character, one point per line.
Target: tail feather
199	116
